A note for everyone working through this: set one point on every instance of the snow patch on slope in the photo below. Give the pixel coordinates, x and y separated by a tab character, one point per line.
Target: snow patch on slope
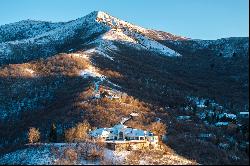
80	55
116	156
99	51
114	35
154	45
106	43
90	72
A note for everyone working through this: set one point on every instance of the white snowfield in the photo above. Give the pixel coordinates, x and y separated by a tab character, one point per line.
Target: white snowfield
47	154
43	154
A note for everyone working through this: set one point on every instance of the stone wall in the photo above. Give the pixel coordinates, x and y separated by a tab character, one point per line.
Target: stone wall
129	145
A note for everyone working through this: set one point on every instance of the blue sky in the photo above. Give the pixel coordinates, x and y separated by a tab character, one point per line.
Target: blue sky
198	19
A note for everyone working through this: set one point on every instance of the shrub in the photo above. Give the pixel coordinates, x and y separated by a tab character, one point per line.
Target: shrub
70	155
91	150
133	158
78	133
69	135
158	128
33	135
94	154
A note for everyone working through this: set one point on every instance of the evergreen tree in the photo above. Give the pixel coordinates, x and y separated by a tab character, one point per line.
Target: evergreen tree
214	117
53	133
194	109
234	54
206	103
212	66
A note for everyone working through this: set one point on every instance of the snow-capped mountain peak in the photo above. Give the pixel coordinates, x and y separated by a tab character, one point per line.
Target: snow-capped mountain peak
101	14
116	23
126	33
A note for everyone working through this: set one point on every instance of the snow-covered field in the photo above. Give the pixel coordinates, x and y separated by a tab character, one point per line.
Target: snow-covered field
49	154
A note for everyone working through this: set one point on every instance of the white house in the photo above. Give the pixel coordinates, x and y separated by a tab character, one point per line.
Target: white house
229	116
122	136
124	133
244	114
218	124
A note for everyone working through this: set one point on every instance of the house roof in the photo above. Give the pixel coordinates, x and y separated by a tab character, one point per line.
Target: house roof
244	113
231	116
221	124
101	132
120	126
135	132
104	132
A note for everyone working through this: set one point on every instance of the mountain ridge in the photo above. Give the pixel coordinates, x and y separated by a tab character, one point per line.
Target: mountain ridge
42	34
